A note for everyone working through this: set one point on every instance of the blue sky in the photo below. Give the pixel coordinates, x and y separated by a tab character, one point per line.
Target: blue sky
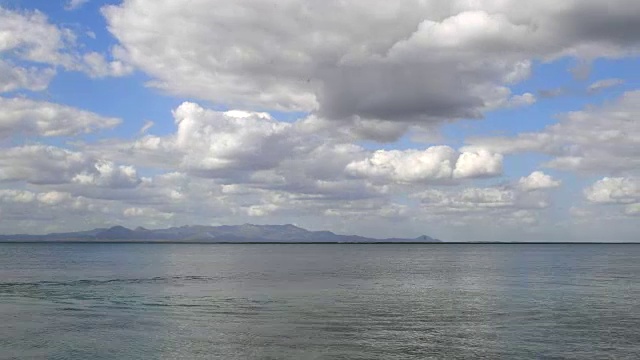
443	118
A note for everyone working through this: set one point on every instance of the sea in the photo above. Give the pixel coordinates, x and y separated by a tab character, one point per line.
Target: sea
319	301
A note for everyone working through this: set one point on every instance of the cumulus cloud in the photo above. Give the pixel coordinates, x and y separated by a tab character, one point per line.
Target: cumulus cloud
492	206
372	70
95	65
614	190
37	48
146	213
596	139
52	210
40	118
477	164
45	165
538	180
239	146
16	196
54	197
475	199
253	165
40	164
621	194
469	198
107	174
434	164
17	77
510	204
29	36
226	140
248	151
412	61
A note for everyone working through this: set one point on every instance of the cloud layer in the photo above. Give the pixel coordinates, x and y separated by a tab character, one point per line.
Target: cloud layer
594	140
335	115
411	61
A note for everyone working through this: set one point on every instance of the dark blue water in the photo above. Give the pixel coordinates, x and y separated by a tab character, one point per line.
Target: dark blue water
162	301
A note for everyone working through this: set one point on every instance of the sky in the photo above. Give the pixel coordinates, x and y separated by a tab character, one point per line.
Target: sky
487	120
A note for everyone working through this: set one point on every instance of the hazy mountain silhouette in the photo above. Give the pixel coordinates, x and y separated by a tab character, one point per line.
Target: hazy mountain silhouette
208	234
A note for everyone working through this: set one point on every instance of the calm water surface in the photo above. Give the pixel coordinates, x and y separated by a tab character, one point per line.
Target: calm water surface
163	301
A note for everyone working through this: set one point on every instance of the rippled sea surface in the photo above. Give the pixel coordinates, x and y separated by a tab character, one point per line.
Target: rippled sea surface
168	301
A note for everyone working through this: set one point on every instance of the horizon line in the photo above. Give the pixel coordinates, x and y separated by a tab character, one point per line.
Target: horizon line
321	242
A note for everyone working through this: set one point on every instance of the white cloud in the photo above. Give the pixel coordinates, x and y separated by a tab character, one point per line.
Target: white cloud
434	163
525	99
468	198
17	196
439	164
614	190
39	164
237	145
95	65
400	67
53	197
475	199
465	31
374	68
213	141
32	48
29	36
40	118
538	180
611	209
74	4
604	84
476	164
45	165
596	139
146	213
481	209
16	77
51	210
147	125
107	174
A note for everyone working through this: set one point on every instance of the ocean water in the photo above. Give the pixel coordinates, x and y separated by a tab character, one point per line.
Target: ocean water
188	301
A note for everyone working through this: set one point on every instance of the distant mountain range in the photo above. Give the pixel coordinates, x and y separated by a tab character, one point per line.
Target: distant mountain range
247	233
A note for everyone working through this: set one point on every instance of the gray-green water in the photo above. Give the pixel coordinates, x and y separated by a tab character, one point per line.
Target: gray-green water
162	301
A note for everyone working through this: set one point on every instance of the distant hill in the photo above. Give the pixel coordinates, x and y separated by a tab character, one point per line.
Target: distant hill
247	233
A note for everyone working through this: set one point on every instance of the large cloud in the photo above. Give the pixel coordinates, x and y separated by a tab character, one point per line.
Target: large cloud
250	147
412	61
213	141
215	144
362	69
